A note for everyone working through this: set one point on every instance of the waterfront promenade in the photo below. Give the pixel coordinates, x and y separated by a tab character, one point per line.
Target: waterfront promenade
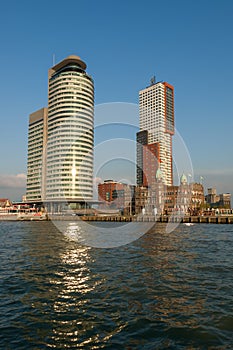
217	219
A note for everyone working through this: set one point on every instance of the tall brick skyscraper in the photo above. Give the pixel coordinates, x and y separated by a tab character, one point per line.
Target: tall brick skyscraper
156	113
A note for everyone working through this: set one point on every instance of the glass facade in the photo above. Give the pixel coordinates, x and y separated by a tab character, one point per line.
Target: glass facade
61	137
69	174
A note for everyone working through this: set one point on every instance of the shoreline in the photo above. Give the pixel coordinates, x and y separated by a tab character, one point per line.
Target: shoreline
220	219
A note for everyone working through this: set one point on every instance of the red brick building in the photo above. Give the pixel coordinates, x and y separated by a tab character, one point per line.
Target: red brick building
151	159
117	195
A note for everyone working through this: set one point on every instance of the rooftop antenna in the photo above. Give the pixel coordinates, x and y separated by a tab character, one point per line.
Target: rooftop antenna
153	80
54	59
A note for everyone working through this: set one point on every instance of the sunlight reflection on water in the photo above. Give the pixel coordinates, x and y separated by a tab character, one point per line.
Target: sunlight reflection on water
109	235
165	290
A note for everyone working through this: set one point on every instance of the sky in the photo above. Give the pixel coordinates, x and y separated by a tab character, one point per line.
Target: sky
124	43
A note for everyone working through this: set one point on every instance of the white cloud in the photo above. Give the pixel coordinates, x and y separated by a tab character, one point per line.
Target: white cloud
13	181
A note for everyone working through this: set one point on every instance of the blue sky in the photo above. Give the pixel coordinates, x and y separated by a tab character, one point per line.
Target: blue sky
124	43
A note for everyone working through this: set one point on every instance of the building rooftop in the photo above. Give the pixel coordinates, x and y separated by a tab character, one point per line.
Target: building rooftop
68	60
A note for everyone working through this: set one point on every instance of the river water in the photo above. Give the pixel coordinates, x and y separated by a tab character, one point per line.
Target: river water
162	291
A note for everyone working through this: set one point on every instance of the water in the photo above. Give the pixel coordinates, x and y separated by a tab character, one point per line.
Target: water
162	291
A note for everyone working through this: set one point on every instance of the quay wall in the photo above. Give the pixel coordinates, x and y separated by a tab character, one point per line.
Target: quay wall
220	219
187	219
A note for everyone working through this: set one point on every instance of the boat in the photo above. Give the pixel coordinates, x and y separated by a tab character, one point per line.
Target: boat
30	216
188	223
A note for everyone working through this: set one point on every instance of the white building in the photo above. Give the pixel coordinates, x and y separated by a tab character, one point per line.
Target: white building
68	138
156	111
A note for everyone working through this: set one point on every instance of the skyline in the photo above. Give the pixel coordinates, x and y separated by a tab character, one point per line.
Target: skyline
124	45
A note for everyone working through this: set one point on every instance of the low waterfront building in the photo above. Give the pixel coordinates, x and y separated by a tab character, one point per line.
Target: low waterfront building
170	198
5	202
141	198
214	200
211	196
117	195
197	198
225	200
161	199
185	198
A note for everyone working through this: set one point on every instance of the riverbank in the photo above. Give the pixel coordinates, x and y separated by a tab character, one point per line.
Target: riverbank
224	219
220	219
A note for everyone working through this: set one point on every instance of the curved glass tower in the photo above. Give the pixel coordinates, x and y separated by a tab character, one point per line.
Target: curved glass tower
70	132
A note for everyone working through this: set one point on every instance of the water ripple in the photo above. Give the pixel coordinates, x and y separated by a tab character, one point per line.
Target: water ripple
164	291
